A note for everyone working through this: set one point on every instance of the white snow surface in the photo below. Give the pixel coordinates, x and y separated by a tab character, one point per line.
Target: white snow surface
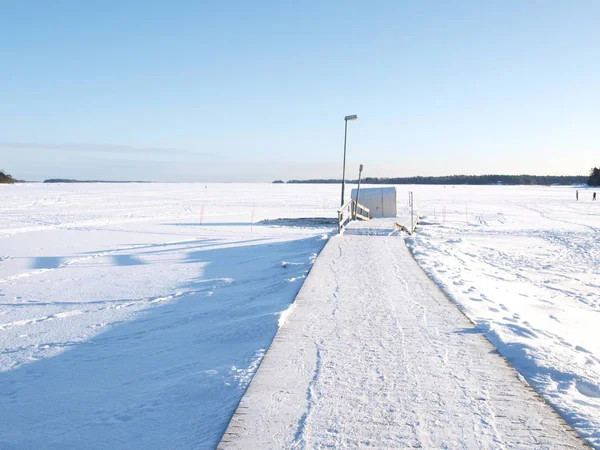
125	322
523	263
375	356
134	315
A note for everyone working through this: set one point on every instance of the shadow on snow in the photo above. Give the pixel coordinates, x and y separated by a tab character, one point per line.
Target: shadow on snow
168	378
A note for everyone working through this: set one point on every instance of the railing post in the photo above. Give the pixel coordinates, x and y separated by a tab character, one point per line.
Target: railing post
349	211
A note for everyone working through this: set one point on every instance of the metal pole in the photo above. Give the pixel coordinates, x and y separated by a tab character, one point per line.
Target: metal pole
360	168
344	169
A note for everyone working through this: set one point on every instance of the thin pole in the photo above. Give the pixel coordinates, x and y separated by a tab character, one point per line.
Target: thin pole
360	168
344	169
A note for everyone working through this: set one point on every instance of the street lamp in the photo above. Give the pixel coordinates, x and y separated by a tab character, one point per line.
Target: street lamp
346	119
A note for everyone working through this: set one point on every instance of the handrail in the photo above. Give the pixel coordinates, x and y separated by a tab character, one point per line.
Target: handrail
362	212
346	205
350	211
344	214
415	222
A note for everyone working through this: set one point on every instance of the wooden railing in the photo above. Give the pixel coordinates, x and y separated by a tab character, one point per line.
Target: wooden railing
351	211
361	212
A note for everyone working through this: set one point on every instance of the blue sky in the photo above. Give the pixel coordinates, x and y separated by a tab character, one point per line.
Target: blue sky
255	91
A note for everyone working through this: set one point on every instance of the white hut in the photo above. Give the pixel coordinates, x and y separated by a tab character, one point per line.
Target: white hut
382	202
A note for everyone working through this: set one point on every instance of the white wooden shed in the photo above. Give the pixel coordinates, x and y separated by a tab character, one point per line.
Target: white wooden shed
382	202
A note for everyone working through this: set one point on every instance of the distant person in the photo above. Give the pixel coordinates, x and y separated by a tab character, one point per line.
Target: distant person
594	196
577	195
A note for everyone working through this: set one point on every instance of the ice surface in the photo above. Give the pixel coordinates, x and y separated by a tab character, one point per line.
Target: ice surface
133	315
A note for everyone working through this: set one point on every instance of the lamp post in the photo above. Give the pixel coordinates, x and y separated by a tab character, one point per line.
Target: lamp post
346	119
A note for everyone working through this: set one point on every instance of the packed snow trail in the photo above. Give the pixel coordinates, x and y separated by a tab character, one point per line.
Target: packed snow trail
374	355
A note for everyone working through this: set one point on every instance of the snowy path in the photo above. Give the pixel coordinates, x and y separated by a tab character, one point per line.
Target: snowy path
374	355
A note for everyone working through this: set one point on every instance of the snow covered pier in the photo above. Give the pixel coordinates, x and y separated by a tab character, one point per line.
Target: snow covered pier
372	354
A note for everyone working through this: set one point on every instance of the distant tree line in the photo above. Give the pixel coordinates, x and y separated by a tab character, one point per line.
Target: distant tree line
545	180
6	178
68	180
594	179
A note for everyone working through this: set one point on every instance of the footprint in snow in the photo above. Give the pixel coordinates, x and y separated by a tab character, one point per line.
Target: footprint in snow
564	343
579	348
484	297
587	389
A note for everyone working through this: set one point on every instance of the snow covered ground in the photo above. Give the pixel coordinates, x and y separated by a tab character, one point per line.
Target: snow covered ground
373	355
125	322
524	265
134	315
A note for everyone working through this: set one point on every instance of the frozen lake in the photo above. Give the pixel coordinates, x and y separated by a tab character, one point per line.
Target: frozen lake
135	314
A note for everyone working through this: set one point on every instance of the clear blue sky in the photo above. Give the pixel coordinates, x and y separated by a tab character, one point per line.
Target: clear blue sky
254	91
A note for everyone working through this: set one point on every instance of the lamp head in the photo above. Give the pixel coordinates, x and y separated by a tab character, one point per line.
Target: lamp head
352	117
